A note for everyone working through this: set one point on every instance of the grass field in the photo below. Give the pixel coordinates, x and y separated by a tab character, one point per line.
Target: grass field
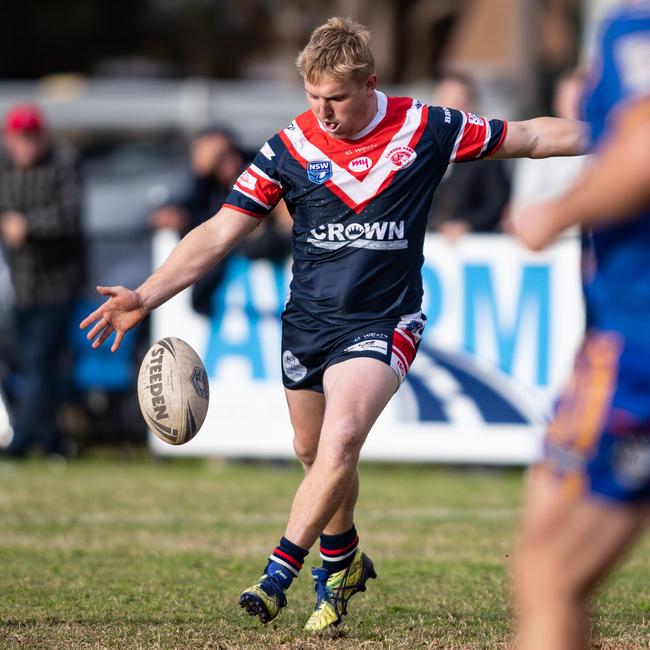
137	553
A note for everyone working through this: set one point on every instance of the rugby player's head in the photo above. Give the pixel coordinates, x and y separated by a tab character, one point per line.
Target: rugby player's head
338	49
339	73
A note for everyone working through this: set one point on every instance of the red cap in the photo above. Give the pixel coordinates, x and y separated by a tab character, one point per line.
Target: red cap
25	117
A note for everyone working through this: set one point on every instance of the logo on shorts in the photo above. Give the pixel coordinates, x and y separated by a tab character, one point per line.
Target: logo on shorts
372	345
319	171
401	157
292	366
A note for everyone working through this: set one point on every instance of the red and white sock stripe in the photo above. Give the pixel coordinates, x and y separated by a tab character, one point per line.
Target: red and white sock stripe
286	561
337	554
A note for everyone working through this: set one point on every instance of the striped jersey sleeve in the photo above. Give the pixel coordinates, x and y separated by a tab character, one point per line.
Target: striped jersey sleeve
259	188
465	136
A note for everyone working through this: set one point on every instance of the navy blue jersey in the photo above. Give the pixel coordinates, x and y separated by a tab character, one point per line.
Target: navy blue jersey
617	288
360	206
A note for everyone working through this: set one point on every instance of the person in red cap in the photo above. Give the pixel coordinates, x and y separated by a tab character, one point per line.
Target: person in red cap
40	227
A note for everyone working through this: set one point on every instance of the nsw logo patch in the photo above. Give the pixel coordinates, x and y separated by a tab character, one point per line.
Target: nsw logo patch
319	171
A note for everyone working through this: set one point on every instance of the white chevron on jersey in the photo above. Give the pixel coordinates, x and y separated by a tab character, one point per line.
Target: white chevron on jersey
360	191
488	135
459	137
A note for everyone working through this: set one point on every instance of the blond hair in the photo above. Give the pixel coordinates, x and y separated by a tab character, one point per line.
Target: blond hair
337	49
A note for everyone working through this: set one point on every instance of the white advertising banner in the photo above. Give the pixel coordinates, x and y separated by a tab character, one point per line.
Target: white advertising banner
503	326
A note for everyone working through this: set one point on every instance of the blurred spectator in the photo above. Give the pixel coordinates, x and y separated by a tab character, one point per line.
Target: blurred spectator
41	232
213	157
470	198
216	162
540	179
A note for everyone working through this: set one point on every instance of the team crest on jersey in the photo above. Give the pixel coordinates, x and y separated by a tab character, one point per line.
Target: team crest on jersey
247	180
472	118
401	157
319	171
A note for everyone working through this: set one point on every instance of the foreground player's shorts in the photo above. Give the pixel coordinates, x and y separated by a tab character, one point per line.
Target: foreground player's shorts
599	439
309	346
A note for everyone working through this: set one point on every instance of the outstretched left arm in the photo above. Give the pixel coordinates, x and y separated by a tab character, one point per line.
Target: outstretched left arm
543	137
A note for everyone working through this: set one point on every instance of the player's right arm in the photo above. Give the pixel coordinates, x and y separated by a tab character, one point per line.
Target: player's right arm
194	255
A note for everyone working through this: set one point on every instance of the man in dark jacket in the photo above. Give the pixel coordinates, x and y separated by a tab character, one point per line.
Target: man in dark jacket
470	198
41	232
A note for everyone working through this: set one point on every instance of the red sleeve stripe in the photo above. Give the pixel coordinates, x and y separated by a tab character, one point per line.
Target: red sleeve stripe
256	185
472	141
251	196
236	208
260	174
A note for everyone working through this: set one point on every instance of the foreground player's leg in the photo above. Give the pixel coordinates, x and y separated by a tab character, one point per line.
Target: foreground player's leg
266	597
567	546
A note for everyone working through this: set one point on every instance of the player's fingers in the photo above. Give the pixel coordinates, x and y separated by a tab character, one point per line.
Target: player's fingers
108	291
99	326
119	335
108	330
91	318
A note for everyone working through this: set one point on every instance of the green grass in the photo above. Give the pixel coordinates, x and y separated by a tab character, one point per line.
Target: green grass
138	553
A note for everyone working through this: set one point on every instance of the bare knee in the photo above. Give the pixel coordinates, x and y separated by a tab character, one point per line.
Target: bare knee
343	441
305	453
305	448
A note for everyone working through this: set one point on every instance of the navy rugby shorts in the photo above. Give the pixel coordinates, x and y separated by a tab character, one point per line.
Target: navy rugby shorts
310	346
599	440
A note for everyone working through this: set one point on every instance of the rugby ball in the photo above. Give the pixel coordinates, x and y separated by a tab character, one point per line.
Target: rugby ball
173	390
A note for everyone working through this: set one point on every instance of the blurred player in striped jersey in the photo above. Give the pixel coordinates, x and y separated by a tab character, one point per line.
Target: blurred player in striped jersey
589	499
357	172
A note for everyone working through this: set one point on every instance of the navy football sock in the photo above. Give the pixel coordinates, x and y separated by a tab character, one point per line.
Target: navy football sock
338	551
285	562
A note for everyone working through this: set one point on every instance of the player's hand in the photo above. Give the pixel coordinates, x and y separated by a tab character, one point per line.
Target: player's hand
122	311
14	229
534	226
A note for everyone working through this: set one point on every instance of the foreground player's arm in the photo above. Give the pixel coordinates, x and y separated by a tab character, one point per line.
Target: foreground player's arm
194	255
616	186
543	137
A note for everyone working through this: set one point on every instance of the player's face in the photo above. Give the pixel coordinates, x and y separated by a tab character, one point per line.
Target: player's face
25	148
343	106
